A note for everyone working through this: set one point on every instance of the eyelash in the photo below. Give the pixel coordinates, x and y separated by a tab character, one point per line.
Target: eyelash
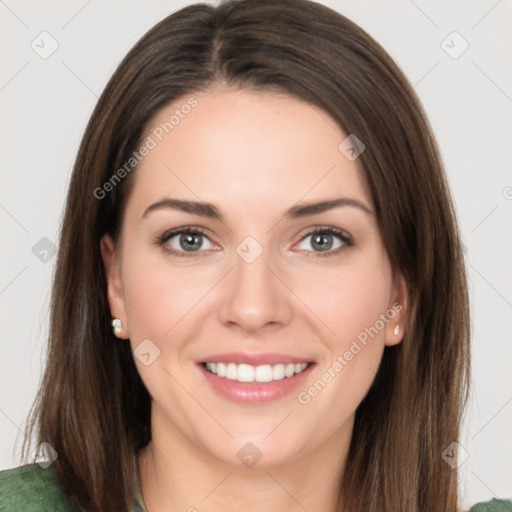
347	240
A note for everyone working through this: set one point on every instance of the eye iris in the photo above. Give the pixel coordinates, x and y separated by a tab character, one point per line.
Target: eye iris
190	242
322	241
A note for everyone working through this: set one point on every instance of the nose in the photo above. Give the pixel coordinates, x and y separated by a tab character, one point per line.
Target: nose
255	298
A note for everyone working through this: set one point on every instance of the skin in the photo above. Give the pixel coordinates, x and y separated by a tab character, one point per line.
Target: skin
253	155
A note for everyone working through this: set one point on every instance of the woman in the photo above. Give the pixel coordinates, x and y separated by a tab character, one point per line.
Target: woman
260	299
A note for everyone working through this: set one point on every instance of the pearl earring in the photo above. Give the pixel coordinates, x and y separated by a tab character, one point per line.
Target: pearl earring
116	326
397	330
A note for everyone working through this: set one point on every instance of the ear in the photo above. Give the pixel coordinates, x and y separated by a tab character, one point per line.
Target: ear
111	261
397	311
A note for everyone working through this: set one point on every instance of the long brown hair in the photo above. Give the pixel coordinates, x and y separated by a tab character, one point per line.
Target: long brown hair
92	406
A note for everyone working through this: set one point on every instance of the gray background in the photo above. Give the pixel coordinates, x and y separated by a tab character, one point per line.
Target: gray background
45	104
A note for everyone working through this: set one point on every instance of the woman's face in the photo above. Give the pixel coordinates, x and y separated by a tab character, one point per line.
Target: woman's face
266	321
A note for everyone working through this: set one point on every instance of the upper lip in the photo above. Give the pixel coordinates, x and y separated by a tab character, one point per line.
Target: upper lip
254	359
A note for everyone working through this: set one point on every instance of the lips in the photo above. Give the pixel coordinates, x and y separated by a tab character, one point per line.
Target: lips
254	378
254	359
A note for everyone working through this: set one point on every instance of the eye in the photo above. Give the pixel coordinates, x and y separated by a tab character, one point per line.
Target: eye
190	241
185	241
326	241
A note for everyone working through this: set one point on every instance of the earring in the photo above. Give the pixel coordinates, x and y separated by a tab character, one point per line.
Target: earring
116	326
396	331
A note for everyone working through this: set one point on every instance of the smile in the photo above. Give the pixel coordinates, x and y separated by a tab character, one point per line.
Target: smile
249	373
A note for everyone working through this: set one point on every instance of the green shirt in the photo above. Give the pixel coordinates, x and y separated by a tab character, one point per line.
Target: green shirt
34	489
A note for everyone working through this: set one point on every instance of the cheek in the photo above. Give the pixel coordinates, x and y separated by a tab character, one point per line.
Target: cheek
163	302
159	295
353	302
350	299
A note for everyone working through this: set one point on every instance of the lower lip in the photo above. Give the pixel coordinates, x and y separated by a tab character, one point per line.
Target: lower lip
255	392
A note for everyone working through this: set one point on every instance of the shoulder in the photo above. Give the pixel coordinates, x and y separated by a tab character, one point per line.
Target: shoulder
31	488
493	506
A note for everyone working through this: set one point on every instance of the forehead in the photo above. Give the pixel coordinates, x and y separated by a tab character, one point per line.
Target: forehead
245	147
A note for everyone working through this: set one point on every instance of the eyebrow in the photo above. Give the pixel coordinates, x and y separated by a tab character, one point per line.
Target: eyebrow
210	211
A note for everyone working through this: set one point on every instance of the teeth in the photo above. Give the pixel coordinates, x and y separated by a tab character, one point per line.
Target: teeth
263	373
249	373
278	372
245	373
